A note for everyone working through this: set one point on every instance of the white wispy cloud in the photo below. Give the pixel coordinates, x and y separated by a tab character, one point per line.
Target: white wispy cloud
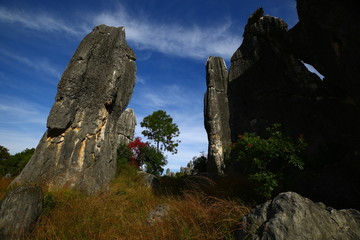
140	80
164	96
40	21
172	38
42	65
14	110
194	41
22	123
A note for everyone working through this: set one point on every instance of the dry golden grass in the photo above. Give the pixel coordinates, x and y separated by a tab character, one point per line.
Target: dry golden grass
122	213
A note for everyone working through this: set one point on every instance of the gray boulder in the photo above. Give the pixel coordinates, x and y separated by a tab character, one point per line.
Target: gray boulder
19	211
88	120
291	216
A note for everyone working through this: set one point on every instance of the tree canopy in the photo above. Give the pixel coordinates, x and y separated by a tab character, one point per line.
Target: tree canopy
4	153
161	129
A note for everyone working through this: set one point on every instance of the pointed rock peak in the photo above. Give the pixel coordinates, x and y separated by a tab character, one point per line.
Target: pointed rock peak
107	29
256	16
258	24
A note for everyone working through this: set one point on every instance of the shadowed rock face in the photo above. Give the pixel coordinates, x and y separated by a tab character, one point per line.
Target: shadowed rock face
88	119
327	37
268	83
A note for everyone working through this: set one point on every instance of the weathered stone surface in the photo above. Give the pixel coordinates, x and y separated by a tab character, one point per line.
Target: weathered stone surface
19	211
126	126
291	216
87	121
216	114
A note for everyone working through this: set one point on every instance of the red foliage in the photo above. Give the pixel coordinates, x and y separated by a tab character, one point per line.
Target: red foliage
135	146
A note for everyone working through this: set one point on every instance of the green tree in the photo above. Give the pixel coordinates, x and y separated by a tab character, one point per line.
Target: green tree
161	129
4	153
200	163
4	157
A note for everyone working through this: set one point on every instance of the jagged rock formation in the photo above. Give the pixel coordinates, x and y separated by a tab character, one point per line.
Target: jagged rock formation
87	122
19	211
291	216
216	112
327	37
268	83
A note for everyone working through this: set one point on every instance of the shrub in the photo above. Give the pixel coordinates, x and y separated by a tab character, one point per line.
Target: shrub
264	160
140	154
123	157
135	150
49	203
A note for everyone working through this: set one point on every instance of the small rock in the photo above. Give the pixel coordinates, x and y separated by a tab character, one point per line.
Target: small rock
7	176
158	213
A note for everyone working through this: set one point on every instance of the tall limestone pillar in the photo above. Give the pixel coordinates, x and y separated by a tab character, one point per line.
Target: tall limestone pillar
88	119
216	111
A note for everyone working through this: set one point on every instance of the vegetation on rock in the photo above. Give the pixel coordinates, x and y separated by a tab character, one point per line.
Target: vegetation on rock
264	160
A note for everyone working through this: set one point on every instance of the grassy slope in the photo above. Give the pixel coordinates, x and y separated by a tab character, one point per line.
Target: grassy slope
122	212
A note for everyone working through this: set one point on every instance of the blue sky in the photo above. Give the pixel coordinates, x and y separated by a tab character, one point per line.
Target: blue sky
172	40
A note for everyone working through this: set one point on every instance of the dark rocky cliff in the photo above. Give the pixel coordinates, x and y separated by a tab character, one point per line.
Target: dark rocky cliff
88	119
268	83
